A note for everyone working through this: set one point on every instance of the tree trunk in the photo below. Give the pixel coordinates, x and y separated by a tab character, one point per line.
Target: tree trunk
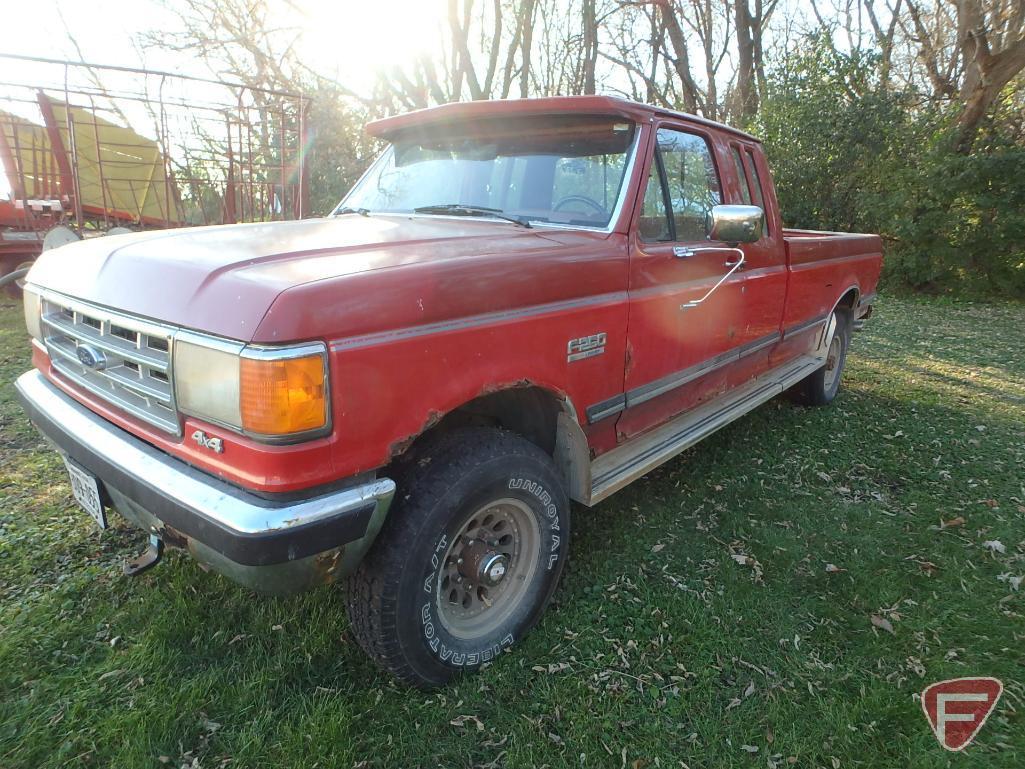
526	44
986	71
747	96
681	57
589	52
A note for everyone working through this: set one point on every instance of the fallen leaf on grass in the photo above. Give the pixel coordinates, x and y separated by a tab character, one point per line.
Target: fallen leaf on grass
1014	582
657	548
749	748
747	560
832	568
882	623
461	721
994	546
952	523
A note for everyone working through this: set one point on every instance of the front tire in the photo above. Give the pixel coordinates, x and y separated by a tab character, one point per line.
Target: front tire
466	562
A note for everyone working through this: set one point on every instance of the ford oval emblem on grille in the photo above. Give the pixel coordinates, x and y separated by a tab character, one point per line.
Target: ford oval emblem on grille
91	357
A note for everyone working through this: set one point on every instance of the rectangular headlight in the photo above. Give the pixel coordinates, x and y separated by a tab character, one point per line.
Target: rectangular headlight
206	379
269	393
33	313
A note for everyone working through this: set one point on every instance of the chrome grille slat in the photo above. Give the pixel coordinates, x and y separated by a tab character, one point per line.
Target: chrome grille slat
159	390
137	376
141	386
108	342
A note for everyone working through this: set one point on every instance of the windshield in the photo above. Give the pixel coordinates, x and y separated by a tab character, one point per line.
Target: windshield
563	169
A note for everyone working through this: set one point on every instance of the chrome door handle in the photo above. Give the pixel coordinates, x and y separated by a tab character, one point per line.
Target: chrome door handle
682	252
738	264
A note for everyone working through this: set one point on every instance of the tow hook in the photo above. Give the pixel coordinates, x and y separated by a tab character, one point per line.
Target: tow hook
147	559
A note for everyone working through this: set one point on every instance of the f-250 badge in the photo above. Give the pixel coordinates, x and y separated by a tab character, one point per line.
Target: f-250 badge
586	347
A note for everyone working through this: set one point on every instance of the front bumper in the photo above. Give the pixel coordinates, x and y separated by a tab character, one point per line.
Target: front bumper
270	545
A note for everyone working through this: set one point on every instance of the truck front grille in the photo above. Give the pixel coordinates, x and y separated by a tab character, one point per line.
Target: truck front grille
131	357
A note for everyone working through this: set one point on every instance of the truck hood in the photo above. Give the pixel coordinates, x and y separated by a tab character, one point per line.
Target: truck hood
224	279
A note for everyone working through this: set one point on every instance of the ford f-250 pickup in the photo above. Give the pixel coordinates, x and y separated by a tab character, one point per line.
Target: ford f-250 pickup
521	303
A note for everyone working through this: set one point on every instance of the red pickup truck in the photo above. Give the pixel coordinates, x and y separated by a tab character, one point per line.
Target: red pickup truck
521	303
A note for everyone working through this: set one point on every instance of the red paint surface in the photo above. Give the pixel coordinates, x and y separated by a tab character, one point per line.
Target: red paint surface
424	314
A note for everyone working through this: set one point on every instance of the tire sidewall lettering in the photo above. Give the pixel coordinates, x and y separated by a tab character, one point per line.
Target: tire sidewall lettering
449	655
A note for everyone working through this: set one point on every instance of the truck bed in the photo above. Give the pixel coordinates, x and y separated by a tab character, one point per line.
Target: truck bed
827	264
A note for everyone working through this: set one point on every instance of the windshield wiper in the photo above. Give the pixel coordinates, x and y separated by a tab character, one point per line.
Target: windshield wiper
463	209
347	210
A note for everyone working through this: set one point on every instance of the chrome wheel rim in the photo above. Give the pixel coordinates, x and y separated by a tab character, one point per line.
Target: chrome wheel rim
487	568
833	361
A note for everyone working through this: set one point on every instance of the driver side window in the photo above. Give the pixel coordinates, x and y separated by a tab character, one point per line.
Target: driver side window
685	178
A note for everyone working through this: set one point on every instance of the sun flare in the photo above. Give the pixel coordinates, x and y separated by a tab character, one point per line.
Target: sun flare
355	43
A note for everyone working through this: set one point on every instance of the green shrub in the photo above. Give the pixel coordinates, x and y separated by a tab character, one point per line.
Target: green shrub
850	154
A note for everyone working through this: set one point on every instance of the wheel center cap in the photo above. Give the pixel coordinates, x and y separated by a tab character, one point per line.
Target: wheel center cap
482	565
493	569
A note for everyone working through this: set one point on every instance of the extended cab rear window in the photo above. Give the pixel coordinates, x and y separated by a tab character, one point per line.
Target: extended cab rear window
557	169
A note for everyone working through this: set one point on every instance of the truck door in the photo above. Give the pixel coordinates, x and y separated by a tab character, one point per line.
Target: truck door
673	351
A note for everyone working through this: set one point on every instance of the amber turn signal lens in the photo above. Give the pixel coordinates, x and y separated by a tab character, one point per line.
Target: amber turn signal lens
281	397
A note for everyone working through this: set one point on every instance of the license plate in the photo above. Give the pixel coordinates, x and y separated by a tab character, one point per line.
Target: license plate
87	492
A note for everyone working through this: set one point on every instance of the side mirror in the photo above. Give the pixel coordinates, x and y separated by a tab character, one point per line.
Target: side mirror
736	224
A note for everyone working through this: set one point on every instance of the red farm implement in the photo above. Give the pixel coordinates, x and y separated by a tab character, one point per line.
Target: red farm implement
88	150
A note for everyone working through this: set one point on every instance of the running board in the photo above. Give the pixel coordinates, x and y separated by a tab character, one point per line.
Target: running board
615	469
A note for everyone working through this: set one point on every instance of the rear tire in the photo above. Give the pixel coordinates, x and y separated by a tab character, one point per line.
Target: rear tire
821	387
466	562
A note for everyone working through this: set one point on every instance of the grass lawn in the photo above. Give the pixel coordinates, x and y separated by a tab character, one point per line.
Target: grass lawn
717	613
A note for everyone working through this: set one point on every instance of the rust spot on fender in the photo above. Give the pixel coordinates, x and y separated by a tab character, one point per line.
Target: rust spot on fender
326	566
495	387
402	445
174	538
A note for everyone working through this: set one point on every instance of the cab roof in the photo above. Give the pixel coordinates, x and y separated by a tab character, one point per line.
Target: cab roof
552	105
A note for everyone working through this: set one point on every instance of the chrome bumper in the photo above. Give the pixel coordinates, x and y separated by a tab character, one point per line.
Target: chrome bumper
268	544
